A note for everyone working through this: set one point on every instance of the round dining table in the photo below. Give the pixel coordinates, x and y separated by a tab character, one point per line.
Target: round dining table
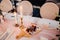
45	34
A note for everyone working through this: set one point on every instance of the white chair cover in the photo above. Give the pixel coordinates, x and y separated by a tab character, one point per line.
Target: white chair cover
49	10
55	1
27	8
5	5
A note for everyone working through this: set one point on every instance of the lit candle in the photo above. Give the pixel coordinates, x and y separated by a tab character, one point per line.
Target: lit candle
15	17
21	9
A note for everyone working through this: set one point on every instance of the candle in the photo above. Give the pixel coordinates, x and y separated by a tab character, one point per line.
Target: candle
15	17
21	9
2	19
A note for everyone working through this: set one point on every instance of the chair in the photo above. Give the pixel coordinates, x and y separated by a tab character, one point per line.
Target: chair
5	5
27	8
58	5
49	10
55	1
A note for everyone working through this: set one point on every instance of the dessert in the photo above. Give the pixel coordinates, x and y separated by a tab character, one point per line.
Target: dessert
28	32
23	33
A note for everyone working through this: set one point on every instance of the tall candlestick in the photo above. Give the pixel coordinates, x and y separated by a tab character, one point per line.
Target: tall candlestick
21	15
16	21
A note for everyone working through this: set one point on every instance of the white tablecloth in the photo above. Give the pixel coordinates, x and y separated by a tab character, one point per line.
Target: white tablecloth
51	23
27	20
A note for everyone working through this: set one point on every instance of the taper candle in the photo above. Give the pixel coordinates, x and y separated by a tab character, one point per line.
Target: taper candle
21	11
15	17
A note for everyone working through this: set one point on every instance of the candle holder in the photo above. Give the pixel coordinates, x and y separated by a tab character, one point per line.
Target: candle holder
21	26
16	25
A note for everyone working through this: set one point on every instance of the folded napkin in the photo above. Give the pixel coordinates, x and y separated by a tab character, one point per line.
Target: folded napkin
4	37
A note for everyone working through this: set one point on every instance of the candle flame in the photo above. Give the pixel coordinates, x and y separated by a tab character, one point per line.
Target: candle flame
15	13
